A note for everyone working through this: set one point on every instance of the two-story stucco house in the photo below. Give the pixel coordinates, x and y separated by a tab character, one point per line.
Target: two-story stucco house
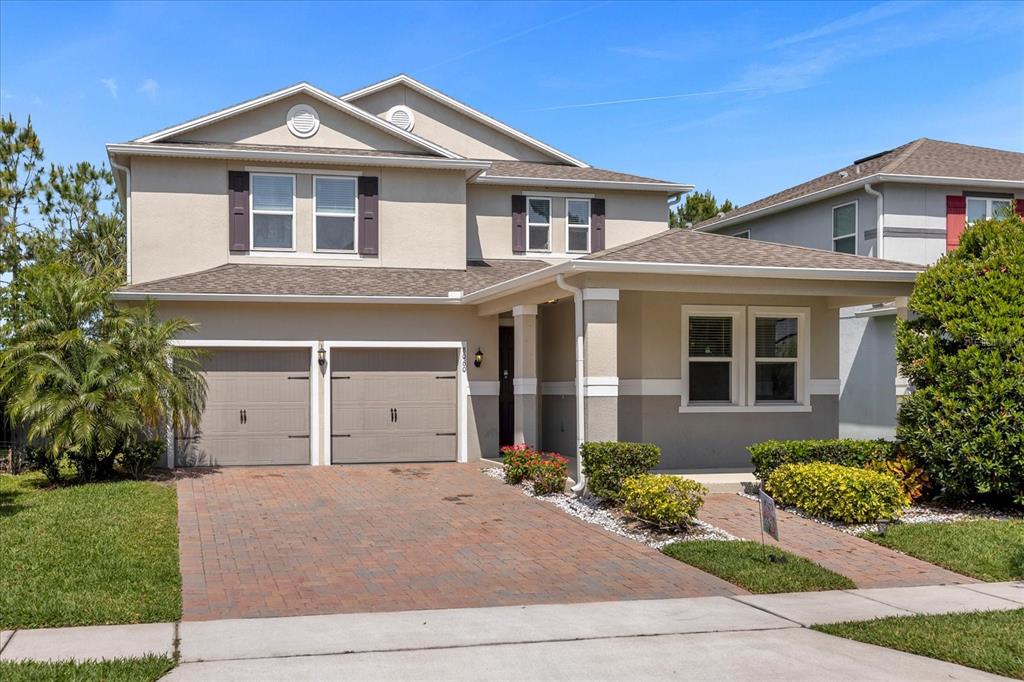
908	204
391	275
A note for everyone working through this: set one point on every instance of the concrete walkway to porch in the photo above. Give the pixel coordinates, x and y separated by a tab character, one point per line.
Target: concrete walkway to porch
868	565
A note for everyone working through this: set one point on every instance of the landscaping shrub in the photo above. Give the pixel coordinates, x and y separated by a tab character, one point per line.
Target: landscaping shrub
44	460
518	461
963	353
840	493
663	500
139	458
771	454
608	463
549	474
911	477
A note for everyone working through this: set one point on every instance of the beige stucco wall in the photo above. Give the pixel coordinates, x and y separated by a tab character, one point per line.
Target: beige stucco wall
628	216
180	218
451	129
267	125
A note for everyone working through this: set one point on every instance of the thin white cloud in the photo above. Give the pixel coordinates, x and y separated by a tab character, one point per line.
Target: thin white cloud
855	20
655	98
150	88
111	85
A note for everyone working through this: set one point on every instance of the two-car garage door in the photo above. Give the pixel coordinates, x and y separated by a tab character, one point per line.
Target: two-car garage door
386	405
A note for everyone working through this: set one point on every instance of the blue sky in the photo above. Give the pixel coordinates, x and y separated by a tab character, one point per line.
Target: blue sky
742	98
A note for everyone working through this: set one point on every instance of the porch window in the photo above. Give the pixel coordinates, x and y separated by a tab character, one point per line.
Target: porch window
577	221
779	345
538	224
712	338
334	200
844	228
986	208
273	212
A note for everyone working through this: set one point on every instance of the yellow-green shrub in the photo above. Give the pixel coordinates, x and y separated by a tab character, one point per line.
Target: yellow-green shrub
666	501
832	491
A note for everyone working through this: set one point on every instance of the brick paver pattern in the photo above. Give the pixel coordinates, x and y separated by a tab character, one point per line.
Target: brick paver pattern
284	541
863	562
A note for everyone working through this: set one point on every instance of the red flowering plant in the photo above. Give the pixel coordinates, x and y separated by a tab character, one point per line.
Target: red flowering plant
518	461
522	463
549	474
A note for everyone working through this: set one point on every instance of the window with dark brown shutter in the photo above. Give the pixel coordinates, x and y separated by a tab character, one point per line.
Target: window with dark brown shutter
238	211
596	225
518	223
369	218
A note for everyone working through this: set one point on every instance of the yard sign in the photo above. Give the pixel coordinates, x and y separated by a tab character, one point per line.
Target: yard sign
769	519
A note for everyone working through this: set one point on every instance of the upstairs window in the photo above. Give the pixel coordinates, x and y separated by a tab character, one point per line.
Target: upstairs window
538	224
577	221
273	212
334	208
986	208
844	228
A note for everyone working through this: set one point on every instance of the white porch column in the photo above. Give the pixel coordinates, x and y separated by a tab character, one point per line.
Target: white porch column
601	364
524	384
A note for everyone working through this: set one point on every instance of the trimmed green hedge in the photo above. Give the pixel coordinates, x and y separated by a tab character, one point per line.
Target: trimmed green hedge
608	463
840	493
771	454
663	500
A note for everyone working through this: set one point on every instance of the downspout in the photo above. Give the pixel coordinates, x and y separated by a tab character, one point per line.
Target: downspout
127	218
577	297
879	220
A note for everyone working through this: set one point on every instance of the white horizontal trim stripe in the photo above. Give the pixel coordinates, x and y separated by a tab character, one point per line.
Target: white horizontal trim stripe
524	386
823	386
600	294
652	387
559	388
484	388
674	387
711	409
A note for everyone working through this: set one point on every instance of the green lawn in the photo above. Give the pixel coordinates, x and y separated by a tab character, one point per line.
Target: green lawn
989	550
87	555
742	563
118	670
992	641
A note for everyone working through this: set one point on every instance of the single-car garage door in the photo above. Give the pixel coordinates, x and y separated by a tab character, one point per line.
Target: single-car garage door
393	405
257	409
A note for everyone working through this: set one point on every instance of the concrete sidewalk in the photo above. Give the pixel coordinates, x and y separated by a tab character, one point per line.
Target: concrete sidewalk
735	637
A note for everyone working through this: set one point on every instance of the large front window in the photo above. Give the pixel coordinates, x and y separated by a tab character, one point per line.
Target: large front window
710	350
335	213
577	221
844	228
775	355
273	212
538	224
986	208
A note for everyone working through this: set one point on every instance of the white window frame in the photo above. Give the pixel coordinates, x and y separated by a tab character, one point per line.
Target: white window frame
253	212
551	218
578	227
856	227
354	216
738	369
989	212
803	354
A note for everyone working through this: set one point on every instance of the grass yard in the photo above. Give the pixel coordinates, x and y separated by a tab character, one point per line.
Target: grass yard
87	555
742	563
990	641
988	550
118	670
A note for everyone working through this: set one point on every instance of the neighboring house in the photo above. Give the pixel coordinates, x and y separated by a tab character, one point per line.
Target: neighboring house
391	275
907	204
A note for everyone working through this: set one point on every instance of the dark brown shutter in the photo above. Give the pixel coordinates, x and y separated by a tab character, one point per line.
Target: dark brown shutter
369	220
238	210
518	223
596	225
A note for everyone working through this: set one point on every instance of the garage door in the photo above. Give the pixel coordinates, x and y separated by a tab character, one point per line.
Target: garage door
393	405
257	410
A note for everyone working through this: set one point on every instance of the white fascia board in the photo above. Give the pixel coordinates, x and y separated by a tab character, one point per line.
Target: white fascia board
280	298
937	180
668	188
200	152
423	89
769	272
312	91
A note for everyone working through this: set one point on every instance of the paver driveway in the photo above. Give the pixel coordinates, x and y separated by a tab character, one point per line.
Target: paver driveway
284	541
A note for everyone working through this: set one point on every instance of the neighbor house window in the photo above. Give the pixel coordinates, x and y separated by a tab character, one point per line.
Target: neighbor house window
334	200
712	338
844	228
538	224
273	212
986	208
577	221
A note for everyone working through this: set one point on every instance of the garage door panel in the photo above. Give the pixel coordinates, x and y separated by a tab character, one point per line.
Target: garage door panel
224	450
382	447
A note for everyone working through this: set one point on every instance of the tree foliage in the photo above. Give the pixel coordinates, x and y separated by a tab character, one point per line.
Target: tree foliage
697	207
963	352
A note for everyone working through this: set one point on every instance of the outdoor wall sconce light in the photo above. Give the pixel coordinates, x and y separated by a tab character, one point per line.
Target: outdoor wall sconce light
478	358
321	356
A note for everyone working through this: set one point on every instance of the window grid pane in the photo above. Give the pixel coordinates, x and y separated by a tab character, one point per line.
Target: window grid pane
538	238
845	245
272	192
775	381
336	195
844	220
999	207
775	337
578	212
710	382
539	212
335	233
710	337
271	231
578	238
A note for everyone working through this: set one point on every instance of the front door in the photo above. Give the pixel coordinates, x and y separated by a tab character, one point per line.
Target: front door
506	372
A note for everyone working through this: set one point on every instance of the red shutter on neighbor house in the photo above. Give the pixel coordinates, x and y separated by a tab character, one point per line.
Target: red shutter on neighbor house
369	220
518	223
956	220
596	225
1020	207
238	211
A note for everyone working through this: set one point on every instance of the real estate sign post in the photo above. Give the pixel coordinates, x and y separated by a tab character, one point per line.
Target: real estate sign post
769	524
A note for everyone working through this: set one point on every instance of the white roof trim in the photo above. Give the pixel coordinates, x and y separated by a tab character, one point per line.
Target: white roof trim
671	188
402	79
307	89
278	298
200	152
856	184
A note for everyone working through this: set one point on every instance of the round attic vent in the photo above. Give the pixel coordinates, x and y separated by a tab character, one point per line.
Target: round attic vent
401	116
303	120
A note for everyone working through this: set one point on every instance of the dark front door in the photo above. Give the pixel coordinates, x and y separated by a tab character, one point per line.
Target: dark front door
506	372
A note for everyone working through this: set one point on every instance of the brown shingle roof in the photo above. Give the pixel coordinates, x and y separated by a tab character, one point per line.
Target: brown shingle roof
923	156
699	248
318	280
550	171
